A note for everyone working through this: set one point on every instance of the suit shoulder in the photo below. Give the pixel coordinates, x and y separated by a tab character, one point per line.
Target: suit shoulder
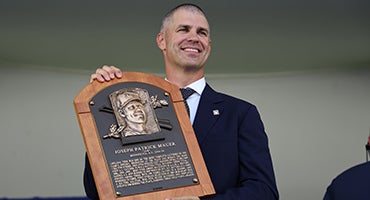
359	171
351	184
228	101
233	99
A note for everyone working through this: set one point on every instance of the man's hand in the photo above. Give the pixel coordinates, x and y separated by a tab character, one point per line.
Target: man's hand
183	198
106	73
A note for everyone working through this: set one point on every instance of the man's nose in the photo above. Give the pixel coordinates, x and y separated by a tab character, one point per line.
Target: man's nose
193	36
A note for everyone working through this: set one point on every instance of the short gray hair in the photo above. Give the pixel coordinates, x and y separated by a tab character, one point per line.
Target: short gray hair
186	6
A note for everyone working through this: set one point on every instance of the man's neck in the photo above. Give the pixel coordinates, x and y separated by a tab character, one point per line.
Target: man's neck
183	78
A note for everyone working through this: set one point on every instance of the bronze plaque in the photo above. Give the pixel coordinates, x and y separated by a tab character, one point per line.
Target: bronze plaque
139	139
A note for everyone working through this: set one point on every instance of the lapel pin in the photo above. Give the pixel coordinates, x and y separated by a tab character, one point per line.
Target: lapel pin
216	112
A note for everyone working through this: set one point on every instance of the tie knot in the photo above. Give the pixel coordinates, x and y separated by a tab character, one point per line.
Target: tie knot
186	92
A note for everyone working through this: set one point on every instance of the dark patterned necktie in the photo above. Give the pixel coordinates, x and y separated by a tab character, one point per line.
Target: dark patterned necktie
186	93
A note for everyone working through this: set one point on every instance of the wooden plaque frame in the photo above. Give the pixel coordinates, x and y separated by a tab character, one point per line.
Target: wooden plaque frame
97	159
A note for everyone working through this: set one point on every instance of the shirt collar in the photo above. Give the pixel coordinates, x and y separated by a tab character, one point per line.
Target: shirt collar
198	85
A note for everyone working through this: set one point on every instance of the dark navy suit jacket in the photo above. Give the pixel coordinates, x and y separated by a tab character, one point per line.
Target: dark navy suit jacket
354	183
234	146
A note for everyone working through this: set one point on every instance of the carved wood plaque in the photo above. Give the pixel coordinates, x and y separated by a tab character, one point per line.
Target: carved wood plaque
139	139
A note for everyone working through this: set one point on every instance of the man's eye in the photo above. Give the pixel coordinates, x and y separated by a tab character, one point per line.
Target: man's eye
204	33
182	30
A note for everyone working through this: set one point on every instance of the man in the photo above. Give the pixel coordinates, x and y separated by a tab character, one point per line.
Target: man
354	183
131	109
229	130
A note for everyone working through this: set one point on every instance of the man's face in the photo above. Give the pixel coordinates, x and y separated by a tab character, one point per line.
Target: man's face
134	112
186	40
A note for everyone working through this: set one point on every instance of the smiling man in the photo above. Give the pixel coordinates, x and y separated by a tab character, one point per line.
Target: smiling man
229	131
185	42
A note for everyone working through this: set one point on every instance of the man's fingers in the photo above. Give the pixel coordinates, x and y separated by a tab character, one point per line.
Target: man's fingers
103	75
117	72
98	77
93	77
112	71
106	73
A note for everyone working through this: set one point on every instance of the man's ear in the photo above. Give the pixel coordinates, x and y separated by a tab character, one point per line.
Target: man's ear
160	41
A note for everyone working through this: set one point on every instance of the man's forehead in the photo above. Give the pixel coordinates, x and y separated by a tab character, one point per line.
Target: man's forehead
190	18
135	101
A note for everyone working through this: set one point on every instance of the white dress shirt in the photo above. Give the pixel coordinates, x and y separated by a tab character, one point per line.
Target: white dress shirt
193	100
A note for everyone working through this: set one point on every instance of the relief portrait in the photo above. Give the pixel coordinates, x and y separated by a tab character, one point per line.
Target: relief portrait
134	113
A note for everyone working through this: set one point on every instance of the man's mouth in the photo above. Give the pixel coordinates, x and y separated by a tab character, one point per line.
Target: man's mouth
191	50
139	114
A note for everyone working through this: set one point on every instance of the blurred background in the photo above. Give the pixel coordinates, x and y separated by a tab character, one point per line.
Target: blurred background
304	64
248	36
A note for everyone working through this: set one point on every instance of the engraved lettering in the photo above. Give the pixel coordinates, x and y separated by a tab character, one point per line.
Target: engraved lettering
145	149
151	169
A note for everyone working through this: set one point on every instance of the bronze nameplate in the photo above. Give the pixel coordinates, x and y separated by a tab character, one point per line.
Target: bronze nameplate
139	139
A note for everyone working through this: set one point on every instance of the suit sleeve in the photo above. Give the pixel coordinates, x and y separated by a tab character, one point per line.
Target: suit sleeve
256	175
89	183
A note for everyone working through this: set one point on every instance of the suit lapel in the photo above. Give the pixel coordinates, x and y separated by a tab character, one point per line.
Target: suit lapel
208	113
